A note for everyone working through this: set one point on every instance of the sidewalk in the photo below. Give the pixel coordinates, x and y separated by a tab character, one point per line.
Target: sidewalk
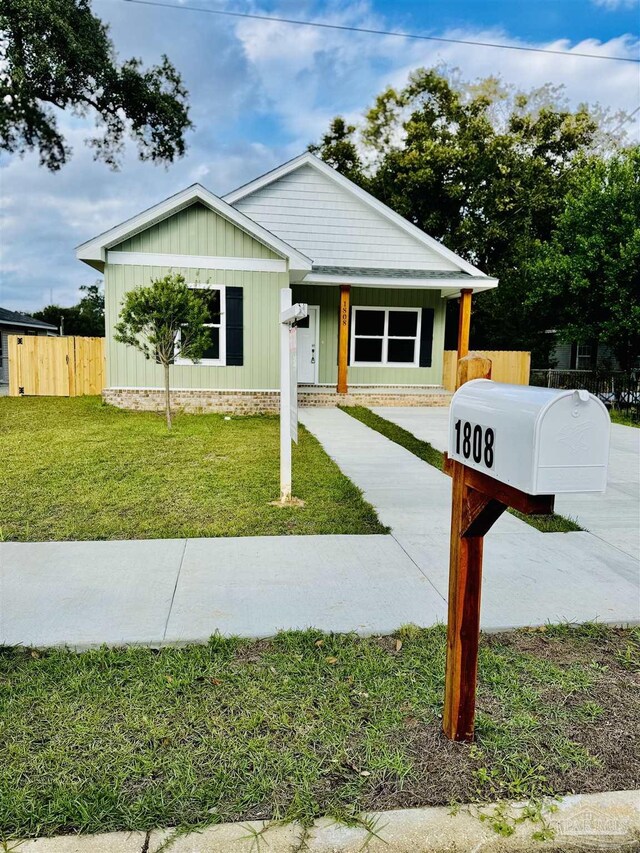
176	591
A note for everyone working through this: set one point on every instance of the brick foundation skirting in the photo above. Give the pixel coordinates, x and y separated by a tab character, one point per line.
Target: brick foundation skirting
258	402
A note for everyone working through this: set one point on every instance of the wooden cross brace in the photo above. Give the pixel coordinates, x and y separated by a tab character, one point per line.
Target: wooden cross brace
486	499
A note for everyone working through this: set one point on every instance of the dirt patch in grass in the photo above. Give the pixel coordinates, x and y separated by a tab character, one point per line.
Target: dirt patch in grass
307	724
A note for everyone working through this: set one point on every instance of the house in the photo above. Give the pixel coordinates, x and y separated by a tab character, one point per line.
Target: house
591	356
15	323
376	287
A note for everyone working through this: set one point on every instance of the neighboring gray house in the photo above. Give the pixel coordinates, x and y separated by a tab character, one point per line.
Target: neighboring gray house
16	323
583	357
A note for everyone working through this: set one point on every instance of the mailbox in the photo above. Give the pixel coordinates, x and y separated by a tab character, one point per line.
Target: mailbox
539	440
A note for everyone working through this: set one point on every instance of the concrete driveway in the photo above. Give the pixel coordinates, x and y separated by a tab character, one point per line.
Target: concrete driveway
613	517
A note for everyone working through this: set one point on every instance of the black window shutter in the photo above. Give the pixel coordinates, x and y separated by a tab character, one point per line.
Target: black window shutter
235	326
426	337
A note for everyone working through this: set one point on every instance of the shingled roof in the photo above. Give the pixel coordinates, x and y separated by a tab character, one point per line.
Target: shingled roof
17	318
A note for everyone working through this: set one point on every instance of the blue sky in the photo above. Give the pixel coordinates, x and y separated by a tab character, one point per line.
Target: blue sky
260	92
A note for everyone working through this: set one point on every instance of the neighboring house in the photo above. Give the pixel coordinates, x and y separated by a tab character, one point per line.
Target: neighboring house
371	279
15	323
583	357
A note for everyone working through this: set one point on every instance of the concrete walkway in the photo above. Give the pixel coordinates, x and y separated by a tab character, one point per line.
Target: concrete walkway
529	577
613	517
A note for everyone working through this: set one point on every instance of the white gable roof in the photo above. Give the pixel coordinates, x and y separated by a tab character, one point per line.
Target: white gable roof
94	251
336	223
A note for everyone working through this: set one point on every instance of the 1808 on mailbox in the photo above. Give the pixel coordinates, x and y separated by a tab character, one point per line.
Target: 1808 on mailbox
474	441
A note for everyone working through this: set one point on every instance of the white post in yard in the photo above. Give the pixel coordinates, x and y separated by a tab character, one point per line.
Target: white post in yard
289	315
285	401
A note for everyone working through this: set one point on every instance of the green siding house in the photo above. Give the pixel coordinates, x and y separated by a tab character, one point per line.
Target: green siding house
370	278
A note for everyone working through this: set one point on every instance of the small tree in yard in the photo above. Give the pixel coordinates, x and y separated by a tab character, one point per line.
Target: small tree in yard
164	320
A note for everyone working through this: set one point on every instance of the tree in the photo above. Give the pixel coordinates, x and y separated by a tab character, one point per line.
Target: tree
588	274
91	308
164	320
338	148
484	169
85	318
57	54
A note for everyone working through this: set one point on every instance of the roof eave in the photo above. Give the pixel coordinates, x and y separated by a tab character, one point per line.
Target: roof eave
450	287
46	327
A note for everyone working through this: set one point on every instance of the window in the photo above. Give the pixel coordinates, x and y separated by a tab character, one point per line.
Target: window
583	357
388	336
214	302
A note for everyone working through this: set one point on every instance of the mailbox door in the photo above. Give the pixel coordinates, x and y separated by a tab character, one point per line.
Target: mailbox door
573	445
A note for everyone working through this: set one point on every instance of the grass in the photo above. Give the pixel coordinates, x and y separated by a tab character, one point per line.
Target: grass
78	469
423	450
624	418
306	724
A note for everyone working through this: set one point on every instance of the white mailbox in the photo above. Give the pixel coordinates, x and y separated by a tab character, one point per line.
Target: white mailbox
539	440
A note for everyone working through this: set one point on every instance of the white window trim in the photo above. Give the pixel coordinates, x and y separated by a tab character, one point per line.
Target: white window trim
211	362
385	338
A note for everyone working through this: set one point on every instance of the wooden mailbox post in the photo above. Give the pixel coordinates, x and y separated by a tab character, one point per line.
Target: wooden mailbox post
477	502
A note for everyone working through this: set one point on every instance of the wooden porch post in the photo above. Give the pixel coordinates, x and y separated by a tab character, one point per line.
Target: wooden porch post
343	336
464	323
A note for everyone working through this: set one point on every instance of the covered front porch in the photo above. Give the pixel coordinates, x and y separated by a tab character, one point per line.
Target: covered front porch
378	337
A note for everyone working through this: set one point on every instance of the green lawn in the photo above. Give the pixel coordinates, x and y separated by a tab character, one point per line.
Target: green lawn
77	469
545	523
306	724
624	418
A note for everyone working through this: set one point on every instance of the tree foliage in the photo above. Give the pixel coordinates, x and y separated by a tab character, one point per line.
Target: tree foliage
588	273
57	55
481	167
339	149
164	320
86	318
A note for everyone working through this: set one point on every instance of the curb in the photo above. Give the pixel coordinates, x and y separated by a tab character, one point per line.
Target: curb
579	823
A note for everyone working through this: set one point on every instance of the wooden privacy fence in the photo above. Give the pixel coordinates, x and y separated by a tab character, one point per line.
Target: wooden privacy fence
506	366
55	367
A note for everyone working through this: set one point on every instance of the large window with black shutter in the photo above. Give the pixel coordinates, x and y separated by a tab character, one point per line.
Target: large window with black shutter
214	299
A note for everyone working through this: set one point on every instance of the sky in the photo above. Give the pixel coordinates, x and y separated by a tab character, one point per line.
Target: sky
260	92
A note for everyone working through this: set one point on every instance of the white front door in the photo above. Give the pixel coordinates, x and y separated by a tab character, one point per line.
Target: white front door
308	347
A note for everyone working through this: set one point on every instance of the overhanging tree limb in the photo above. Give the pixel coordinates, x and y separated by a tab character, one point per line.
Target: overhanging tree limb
57	53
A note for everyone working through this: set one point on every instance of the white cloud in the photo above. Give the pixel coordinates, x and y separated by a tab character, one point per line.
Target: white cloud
260	92
616	5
